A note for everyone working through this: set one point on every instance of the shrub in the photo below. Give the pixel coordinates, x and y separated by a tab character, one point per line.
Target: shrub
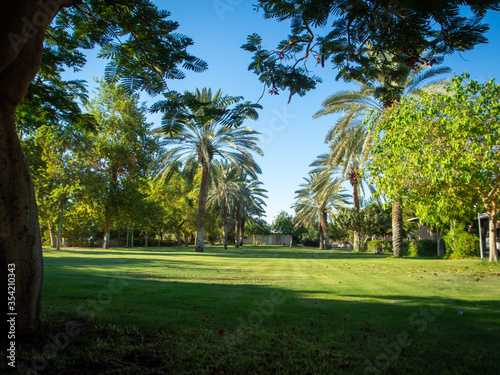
379	246
310	243
421	248
461	244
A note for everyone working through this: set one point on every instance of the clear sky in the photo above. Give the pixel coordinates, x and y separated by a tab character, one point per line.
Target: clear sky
290	138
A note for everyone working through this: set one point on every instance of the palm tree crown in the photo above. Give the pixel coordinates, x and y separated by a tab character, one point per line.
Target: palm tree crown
199	128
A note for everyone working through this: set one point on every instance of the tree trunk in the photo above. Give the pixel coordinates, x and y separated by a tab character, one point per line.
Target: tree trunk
160	235
22	25
242	228
355	200
146	238
59	230
186	239
224	223
127	233
397	228
178	234
324	228
132	238
492	215
202	207
321	237
237	226
107	231
52	233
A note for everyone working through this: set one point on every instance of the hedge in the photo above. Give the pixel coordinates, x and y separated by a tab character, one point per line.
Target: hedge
421	248
379	246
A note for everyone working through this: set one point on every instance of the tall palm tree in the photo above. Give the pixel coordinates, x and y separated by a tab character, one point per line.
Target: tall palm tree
317	198
200	127
224	190
351	140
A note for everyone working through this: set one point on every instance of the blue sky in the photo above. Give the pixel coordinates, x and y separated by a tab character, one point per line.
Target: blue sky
290	138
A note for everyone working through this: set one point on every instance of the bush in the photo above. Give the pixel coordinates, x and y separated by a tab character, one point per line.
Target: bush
421	248
461	244
379	246
310	243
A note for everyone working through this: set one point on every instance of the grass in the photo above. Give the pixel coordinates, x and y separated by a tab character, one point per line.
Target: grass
264	310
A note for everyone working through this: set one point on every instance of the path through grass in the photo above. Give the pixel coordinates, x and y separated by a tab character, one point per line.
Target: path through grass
267	309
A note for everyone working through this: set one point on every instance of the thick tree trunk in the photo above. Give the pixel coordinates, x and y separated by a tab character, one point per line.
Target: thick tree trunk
324	228
59	230
224	223
202	207
397	228
321	237
52	233
493	235
21	43
107	231
178	234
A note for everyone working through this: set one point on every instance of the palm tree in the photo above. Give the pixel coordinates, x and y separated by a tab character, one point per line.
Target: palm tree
319	197
351	140
224	190
200	127
249	204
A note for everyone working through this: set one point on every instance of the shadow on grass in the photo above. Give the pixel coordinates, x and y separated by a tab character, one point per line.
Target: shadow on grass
208	325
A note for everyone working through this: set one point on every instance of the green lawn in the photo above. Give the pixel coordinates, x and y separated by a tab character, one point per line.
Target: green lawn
266	309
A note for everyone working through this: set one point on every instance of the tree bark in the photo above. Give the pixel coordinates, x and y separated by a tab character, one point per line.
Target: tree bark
21	44
132	238
202	207
355	200
59	230
186	239
237	226
107	231
224	223
52	233
178	234
321	237
160	235
127	233
397	228
324	228
146	238
242	228
492	215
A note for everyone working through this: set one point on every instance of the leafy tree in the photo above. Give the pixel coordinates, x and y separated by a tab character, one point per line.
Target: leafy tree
138	41
319	197
283	223
198	127
121	150
351	139
349	33
444	148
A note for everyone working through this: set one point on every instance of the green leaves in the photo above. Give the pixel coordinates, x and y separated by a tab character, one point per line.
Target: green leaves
441	152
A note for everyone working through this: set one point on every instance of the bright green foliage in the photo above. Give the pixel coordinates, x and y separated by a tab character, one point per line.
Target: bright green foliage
379	246
460	244
421	248
119	154
283	223
349	33
441	152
